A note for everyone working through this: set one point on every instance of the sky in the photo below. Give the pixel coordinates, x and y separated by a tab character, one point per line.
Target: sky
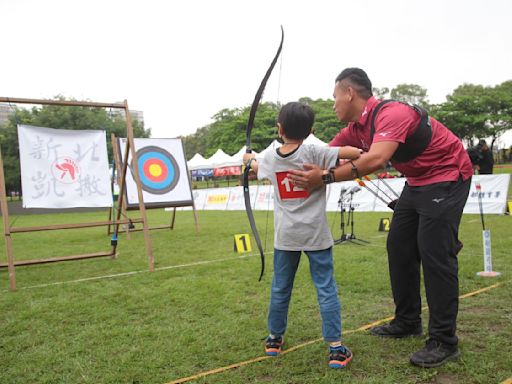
181	62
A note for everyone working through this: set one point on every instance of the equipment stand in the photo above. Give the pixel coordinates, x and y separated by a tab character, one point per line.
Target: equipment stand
351	237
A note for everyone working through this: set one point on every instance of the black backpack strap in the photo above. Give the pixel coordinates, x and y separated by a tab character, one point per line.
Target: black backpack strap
414	144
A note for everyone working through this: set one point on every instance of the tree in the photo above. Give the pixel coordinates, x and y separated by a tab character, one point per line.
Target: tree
498	109
228	131
326	124
380	93
64	117
410	93
474	111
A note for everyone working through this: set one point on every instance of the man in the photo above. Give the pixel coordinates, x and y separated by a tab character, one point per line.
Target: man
424	228
482	159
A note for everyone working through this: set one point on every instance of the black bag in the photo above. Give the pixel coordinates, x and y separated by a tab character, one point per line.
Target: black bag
414	144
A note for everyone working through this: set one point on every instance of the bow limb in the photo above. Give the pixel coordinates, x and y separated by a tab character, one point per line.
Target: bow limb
250	124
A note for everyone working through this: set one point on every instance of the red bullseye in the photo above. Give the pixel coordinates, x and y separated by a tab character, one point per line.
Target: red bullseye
155	170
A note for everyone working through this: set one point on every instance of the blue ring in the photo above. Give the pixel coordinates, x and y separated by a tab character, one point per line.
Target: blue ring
170	170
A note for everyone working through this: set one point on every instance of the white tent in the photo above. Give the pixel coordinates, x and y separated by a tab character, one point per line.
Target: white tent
240	154
197	162
272	147
312	139
221	159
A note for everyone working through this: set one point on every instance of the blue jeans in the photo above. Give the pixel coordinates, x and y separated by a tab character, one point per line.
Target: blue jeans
321	269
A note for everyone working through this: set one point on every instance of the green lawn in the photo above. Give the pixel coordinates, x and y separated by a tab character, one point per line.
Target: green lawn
203	308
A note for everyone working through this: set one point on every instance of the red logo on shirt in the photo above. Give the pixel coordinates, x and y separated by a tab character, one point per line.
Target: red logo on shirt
287	190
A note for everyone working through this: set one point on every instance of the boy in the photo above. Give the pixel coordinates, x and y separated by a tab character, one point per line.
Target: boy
301	225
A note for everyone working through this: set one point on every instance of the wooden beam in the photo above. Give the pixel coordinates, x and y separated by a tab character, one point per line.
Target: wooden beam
72	226
56	259
69	103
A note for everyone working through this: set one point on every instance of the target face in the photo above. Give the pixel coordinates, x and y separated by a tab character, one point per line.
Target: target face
158	170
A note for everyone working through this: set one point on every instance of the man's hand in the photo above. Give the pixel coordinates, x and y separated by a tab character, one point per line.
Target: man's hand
310	178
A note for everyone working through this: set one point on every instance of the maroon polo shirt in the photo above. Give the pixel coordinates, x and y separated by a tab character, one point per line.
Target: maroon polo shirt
443	160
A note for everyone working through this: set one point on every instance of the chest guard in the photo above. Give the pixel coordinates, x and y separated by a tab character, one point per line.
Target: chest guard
414	144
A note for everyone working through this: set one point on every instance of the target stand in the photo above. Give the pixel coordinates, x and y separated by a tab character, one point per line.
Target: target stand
129	149
164	177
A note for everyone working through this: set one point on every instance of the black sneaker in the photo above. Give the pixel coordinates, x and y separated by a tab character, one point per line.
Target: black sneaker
396	330
273	345
434	354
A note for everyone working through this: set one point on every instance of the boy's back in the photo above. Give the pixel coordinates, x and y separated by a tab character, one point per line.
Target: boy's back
299	216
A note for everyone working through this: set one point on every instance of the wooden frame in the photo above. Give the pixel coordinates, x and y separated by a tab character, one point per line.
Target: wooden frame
118	164
8	230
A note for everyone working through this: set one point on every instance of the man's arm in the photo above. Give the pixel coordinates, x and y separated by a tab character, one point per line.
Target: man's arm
376	158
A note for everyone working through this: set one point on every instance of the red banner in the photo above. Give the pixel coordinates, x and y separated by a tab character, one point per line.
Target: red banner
227	171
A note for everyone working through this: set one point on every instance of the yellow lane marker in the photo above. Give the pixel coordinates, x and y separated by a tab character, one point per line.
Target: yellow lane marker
363	328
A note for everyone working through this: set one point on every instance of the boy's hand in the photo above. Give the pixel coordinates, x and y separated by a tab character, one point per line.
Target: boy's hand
248	156
351	153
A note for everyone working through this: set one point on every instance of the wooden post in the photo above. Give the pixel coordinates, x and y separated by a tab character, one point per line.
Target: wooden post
135	171
7	229
195	216
119	171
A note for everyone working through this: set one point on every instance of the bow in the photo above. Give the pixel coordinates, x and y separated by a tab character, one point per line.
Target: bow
250	124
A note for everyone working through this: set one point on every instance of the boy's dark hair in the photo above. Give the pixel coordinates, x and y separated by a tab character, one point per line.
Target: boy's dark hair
296	119
358	79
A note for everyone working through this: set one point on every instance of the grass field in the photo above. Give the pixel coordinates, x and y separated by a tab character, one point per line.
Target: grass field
203	308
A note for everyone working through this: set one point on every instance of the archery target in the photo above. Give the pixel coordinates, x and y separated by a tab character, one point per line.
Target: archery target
158	170
163	173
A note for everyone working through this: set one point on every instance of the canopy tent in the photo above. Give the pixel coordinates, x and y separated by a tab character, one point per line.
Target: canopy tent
312	139
197	162
221	159
272	147
240	154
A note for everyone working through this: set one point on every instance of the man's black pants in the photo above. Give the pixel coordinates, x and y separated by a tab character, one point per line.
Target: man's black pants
424	230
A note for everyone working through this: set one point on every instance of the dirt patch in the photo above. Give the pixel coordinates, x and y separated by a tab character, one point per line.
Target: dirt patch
446	378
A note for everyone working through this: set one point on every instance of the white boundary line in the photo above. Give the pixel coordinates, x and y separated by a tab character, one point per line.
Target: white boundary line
123	274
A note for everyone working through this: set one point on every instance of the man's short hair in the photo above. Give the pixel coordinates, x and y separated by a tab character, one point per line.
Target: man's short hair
296	119
358	79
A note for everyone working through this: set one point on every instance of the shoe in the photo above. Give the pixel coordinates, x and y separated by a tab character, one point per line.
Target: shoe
339	357
396	330
434	354
273	345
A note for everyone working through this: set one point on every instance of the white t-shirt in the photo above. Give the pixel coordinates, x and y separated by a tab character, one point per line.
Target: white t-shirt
300	222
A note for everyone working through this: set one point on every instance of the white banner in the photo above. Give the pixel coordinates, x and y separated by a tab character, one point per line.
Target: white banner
494	190
63	168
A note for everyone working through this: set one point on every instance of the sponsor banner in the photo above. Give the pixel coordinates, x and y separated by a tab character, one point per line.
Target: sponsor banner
264	199
217	198
202	173
63	168
494	189
227	171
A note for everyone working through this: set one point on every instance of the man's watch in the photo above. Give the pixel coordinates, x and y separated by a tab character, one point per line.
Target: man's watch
328	176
